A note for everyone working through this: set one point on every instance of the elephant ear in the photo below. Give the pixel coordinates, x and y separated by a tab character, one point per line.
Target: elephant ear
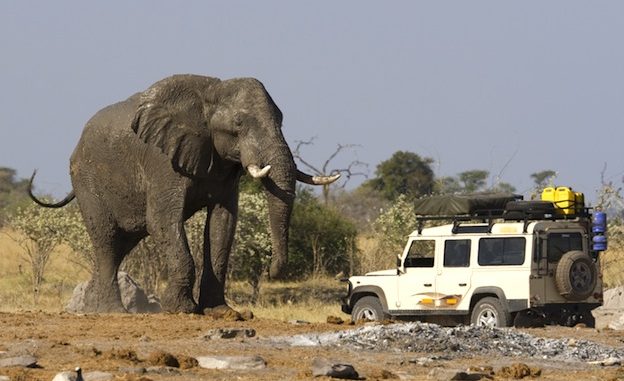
170	116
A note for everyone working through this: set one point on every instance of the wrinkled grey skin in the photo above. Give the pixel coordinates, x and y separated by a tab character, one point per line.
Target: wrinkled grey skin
145	165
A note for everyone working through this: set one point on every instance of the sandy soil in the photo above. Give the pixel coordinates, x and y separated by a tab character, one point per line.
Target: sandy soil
115	343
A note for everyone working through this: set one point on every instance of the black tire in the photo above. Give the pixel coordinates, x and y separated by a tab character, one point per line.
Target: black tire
368	308
576	276
490	312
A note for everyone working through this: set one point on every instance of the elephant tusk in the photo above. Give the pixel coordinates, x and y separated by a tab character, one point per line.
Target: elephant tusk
258	173
316	180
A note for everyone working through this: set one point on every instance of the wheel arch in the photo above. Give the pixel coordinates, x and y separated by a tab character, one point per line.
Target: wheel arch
362	291
483	292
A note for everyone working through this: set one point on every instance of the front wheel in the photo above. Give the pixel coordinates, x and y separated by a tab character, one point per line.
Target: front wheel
367	308
489	312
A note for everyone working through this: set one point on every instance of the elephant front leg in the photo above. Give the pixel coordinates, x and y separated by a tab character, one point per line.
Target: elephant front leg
178	296
218	239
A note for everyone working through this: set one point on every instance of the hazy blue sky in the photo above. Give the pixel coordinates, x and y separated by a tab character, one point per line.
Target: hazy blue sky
510	87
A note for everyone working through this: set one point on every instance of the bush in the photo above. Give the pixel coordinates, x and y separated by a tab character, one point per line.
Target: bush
390	231
321	241
38	232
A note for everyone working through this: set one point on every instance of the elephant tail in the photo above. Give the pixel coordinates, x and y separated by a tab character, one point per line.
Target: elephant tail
59	204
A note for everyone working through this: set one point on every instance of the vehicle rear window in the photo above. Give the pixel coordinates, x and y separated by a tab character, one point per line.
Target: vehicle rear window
501	251
561	243
457	253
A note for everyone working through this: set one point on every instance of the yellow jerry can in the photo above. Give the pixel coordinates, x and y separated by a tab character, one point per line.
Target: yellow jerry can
548	194
579	199
565	199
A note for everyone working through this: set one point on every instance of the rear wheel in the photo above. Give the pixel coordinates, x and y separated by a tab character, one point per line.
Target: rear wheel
489	312
576	275
368	308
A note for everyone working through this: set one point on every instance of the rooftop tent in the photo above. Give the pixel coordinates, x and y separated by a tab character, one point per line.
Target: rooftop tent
470	204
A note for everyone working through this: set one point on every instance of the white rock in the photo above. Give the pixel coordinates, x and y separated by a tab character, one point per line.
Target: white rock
231	362
20	361
65	376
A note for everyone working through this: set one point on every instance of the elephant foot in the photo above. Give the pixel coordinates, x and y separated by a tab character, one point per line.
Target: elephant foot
178	302
98	300
227	313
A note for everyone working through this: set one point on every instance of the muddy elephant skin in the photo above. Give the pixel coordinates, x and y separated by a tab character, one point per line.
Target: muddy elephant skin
145	165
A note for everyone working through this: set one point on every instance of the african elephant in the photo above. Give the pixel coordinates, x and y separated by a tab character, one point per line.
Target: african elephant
145	165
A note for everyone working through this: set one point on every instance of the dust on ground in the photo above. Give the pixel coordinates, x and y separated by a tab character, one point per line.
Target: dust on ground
116	343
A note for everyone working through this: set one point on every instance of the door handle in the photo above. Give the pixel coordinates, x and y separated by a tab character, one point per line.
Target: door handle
462	285
427	284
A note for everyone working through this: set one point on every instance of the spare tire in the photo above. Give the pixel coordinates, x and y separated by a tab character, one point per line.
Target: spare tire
576	275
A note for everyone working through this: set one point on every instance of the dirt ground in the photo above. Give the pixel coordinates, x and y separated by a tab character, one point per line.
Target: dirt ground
116	343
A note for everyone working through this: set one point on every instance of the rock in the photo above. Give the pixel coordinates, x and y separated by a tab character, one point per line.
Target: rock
334	320
613	298
97	376
163	370
163	358
441	374
388	375
247	315
229	333
611	361
223	313
187	362
608	318
133	370
5	378
518	371
298	322
65	376
133	297
231	362
21	362
323	367
463	376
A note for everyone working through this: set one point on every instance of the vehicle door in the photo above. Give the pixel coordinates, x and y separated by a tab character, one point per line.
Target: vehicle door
553	245
416	283
453	273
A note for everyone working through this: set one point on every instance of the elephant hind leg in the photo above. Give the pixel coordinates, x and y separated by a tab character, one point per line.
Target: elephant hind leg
102	293
111	246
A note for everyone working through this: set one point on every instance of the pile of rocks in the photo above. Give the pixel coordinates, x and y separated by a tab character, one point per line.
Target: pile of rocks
459	342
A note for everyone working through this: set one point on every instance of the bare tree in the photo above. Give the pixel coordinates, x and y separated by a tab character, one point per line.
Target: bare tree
354	168
609	196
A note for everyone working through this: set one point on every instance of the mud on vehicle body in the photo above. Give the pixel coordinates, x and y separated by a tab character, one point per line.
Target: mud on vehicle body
527	264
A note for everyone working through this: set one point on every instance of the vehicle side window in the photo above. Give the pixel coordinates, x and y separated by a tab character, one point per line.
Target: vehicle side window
561	243
421	254
457	253
501	251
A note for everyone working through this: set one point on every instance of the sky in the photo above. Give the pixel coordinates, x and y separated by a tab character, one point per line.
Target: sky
510	87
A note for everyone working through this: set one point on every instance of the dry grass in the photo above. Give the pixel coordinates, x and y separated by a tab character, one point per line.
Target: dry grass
613	266
312	300
16	293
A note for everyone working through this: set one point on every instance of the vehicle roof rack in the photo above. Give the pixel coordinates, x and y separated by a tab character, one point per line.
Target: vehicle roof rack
489	217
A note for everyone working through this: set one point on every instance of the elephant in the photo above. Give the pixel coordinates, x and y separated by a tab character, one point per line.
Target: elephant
144	165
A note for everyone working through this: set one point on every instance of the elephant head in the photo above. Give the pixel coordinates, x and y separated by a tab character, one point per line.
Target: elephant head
203	123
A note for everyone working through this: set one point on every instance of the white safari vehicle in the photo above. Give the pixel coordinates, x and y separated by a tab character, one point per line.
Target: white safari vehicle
528	262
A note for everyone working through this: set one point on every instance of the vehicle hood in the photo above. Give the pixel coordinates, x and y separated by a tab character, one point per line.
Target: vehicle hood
382	272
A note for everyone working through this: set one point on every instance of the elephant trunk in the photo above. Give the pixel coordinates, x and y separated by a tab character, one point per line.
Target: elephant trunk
280	191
